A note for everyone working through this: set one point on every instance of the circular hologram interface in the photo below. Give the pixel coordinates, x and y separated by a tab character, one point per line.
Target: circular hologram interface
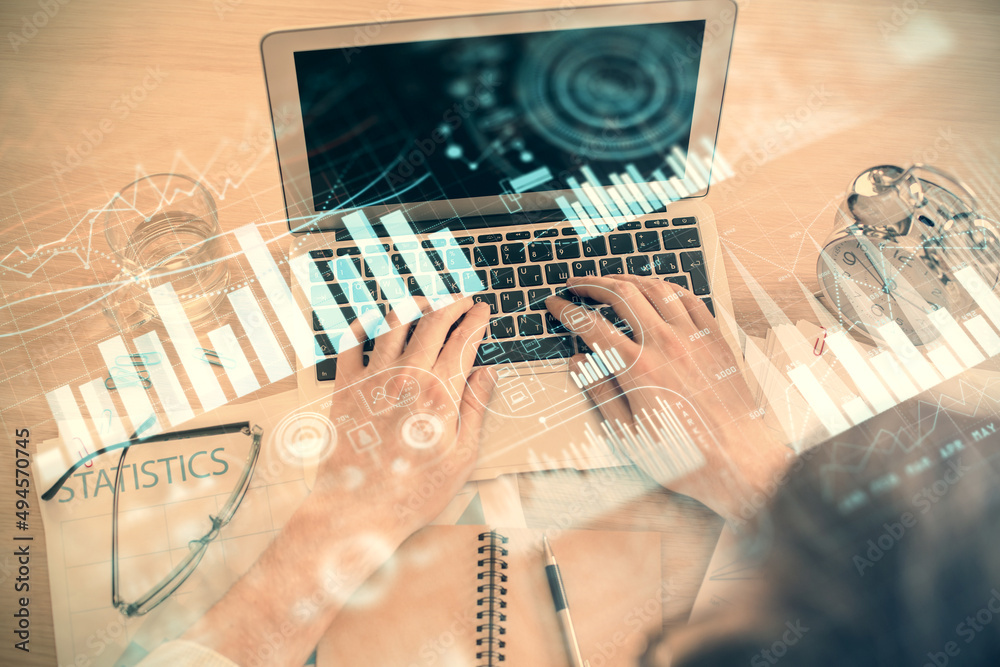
305	436
422	430
617	93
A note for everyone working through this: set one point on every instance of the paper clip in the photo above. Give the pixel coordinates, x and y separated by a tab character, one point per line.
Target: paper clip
121	377
138	359
88	464
820	343
214	358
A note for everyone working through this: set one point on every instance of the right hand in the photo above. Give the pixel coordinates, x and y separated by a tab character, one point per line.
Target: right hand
677	349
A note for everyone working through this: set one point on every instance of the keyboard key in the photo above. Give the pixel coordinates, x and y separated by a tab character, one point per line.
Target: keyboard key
483	278
691	259
638	265
502	327
629	226
392	290
680	239
489	238
621	244
584	267
471	282
343	267
611	316
486	255
711	306
317	326
595	247
512	253
683	222
546	233
322	295
512	302
369	345
487	297
556	274
376	266
348	251
612	265
552	325
457	258
413	286
431	262
537	297
657	223
324	348
530	325
326	370
567	248
358	292
581	347
529	275
694	263
323	273
502	278
665	263
569	231
382	308
319	254
678	280
465	240
400	263
406	245
540	251
518	236
499	352
450	284
647	241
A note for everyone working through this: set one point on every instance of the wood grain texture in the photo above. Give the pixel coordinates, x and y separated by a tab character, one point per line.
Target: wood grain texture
858	94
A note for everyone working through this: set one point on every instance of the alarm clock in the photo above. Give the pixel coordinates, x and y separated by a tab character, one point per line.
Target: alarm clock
900	234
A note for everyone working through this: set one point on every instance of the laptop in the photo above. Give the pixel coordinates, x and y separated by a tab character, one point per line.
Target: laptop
495	156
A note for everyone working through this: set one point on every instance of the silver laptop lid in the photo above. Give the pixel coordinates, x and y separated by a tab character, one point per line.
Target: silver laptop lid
597	111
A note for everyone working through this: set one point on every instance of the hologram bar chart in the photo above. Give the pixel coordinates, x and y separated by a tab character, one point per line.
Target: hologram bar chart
132	381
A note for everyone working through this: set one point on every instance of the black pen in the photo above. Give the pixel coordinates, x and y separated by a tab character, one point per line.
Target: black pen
562	606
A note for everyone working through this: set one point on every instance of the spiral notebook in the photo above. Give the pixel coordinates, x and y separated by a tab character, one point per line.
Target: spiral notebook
471	596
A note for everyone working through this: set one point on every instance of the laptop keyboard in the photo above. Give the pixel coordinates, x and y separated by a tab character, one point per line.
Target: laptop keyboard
520	269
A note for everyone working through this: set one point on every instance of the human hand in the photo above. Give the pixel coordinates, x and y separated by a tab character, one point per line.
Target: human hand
677	353
407	425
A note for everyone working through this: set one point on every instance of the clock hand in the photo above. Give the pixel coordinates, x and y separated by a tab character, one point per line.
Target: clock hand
876	276
895	295
881	278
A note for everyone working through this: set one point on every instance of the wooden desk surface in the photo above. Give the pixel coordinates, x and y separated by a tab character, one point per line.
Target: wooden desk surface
817	92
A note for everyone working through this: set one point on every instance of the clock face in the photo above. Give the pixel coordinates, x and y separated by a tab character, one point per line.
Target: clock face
873	282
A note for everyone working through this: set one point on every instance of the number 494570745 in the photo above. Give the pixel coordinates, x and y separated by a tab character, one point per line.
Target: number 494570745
22	480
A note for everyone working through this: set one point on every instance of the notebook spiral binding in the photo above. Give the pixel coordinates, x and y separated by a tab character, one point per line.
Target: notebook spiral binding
491	597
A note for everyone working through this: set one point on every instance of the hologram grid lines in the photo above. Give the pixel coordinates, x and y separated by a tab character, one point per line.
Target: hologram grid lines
264	347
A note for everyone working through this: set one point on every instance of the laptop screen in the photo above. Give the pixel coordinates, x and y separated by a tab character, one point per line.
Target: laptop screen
498	115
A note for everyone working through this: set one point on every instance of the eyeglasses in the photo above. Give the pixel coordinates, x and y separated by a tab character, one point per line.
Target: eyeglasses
179	574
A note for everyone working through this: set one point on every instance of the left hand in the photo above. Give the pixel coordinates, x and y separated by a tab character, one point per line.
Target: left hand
408	424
